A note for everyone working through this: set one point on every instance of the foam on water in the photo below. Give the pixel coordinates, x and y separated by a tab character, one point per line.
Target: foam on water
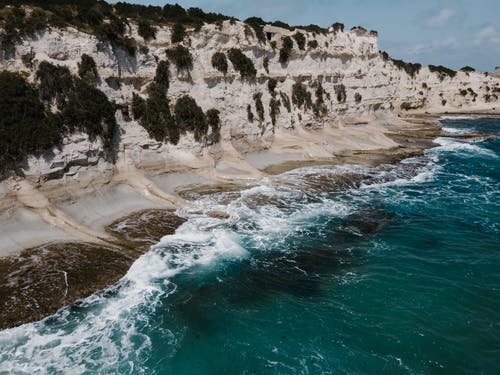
465	117
451	145
451	130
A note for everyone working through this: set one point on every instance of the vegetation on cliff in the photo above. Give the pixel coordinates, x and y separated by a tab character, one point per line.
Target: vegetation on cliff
259	107
313	44
286	49
319	107
242	64
162	73
442	71
33	132
190	117
154	115
300	39
219	62
340	92
410	68
181	57
145	30
80	106
87	69
301	97
257	24
213	121
178	33
467	69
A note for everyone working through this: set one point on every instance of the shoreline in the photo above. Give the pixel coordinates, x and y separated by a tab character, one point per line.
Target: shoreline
122	235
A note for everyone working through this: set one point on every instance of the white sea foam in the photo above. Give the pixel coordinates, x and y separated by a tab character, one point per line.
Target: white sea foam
450	145
450	130
466	117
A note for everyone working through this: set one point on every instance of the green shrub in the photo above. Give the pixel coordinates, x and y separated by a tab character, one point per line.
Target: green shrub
257	24
468	69
259	107
24	126
190	117
145	30
242	64
8	40
36	22
442	71
300	39
312	28
319	107
178	33
54	82
341	93
286	101
409	68
219	62
128	44
157	119
12	30
385	56
274	109
89	110
338	27
181	57
265	63
162	73
250	115
286	49
81	107
313	44
112	31
360	28
138	106
281	24
213	121
87	69
300	96
271	85
472	92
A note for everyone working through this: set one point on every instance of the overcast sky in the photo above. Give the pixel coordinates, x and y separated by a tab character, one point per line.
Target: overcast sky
454	33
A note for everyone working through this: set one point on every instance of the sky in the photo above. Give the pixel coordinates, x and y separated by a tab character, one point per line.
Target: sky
454	33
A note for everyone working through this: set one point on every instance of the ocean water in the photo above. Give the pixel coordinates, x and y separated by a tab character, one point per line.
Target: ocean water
321	270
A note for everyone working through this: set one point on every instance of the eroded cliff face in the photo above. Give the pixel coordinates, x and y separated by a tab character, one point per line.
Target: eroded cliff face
347	78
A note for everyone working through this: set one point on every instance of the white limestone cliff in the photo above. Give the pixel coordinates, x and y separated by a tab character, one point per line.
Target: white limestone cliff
374	88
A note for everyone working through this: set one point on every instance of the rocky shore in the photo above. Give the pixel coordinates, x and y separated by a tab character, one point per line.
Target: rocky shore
43	273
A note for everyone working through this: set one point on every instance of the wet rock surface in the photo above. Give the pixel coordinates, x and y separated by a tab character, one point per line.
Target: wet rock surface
39	281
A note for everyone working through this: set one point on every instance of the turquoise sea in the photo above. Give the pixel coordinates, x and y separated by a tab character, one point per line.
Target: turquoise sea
321	270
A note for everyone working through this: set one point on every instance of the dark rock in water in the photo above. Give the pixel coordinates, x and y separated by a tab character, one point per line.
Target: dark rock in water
366	222
232	191
469	137
145	228
41	280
